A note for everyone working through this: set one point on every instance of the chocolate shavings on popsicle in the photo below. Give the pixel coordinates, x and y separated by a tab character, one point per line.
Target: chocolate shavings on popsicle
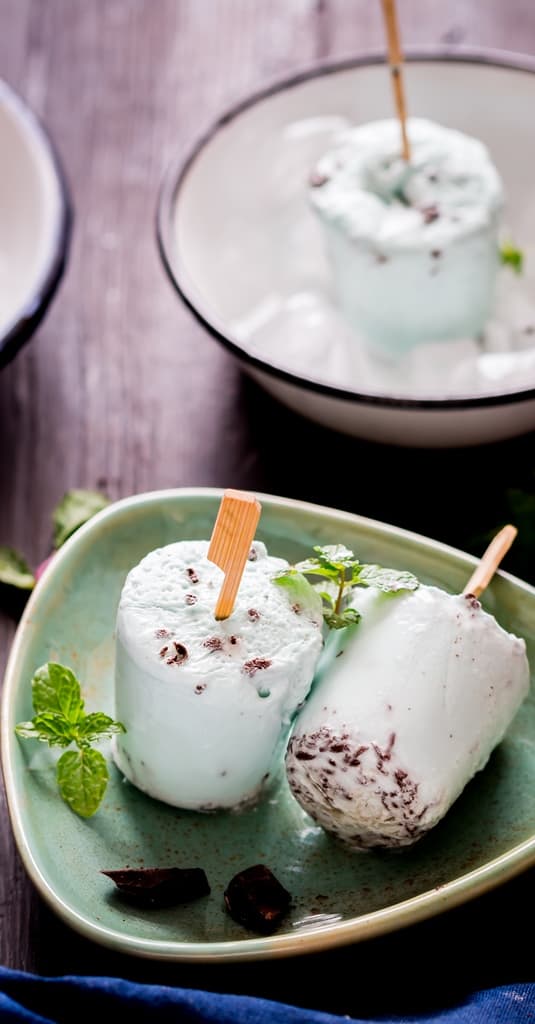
256	899
160	887
255	664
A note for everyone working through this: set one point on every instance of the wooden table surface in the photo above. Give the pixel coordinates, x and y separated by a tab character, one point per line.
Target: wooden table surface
121	390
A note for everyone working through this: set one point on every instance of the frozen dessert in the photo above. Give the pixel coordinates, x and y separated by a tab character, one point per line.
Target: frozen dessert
413	245
407	709
207	704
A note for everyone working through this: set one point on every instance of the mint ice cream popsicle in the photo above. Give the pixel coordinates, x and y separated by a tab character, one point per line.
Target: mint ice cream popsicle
413	245
418	696
207	704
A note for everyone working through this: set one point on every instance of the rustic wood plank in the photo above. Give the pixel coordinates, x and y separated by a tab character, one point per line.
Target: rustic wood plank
121	390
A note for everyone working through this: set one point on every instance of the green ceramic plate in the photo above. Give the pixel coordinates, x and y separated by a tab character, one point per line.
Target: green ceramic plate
338	897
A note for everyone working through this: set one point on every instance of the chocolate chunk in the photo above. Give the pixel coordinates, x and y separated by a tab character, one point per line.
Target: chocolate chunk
180	655
253	614
255	664
160	887
256	899
214	643
253	555
192	575
473	601
430	213
191	598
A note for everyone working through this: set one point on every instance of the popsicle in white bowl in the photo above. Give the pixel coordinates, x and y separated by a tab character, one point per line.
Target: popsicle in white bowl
413	245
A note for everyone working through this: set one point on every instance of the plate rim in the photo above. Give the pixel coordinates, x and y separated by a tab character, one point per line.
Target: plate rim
179	168
387	919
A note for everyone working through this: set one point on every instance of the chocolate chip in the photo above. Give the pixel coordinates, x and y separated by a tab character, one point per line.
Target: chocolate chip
430	213
253	614
256	899
160	887
192	575
436	253
161	634
180	655
253	555
213	643
191	598
255	664
317	179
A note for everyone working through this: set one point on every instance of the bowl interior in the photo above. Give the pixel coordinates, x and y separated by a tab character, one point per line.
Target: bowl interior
243	243
30	209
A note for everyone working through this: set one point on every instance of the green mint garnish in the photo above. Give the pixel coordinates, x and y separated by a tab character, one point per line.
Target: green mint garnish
82	779
512	257
300	592
14	571
74	509
60	720
342	571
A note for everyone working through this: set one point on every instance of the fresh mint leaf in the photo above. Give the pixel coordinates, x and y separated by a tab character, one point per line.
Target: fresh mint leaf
74	509
98	726
54	729
14	571
60	720
300	592
56	688
28	731
342	571
336	555
512	257
331	560
82	777
349	617
389	580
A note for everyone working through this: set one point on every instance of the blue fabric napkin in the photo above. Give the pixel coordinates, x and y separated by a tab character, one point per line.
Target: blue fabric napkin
27	998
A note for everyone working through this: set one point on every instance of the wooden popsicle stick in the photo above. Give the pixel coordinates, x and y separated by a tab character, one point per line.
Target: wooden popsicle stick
395	60
230	544
496	550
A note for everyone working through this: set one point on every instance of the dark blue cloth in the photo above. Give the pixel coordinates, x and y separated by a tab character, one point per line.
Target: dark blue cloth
26	998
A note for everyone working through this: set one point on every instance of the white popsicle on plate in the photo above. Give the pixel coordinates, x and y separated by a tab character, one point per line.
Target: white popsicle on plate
408	709
207	705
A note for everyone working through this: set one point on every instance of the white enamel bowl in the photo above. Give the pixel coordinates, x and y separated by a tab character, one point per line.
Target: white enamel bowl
34	219
237	236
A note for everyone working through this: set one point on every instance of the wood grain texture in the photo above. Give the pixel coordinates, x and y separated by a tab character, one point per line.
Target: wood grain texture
122	390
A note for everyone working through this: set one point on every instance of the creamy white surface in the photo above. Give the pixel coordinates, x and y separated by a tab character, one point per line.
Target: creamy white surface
204	733
414	247
397	724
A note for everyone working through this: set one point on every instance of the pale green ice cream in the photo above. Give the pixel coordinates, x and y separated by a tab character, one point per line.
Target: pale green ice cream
406	710
207	705
414	246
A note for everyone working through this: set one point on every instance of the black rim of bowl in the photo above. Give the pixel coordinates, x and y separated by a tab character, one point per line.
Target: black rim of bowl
33	309
181	167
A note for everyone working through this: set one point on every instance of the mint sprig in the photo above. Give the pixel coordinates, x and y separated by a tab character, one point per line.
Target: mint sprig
60	720
343	572
512	257
73	510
